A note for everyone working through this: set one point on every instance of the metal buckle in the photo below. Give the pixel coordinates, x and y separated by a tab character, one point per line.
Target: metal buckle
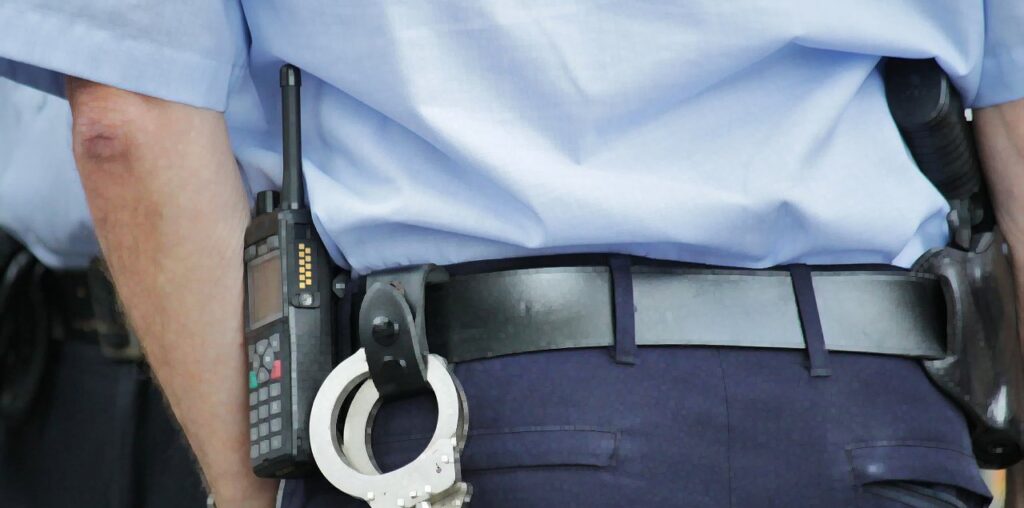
432	480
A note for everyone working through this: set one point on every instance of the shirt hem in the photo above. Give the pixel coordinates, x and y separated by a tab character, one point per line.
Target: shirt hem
68	46
1002	78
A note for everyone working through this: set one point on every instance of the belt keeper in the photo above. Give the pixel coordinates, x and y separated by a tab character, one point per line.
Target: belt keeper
625	309
810	320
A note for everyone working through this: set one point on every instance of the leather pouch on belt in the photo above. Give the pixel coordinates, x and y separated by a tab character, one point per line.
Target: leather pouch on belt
983	369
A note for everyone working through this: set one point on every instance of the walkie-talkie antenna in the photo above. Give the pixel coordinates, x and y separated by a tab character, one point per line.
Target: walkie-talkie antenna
292	186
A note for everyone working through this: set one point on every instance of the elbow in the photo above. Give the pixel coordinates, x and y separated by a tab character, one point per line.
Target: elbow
106	123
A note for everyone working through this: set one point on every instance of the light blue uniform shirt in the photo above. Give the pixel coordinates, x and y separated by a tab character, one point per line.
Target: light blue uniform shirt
41	198
741	133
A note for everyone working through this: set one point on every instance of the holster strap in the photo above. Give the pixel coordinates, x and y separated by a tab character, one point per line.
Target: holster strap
517	311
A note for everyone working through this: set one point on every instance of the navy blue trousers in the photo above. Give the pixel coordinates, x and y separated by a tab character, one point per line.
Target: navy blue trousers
692	427
99	435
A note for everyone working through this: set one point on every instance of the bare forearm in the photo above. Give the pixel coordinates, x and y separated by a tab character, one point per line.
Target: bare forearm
170	213
1000	134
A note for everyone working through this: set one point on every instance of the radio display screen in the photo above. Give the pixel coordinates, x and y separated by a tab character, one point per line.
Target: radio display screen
265	289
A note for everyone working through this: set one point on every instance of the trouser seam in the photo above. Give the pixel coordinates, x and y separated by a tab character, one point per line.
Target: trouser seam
728	427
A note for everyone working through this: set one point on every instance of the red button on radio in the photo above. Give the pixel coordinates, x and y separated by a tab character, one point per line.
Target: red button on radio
275	373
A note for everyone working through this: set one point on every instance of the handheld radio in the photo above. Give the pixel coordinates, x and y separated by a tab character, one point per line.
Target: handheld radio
288	310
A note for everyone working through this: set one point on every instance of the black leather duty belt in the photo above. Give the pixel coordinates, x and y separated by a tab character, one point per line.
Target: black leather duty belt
888	312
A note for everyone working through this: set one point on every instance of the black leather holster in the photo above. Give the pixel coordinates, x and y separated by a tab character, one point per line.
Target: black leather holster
984	369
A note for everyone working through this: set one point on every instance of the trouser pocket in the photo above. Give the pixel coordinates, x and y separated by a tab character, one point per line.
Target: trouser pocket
916	474
922	495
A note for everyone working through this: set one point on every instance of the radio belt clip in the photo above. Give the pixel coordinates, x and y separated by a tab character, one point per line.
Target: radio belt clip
393	362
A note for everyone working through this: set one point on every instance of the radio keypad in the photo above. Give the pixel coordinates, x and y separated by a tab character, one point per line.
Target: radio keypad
265	404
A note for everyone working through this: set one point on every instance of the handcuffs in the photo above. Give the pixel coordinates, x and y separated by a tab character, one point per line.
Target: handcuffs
392	362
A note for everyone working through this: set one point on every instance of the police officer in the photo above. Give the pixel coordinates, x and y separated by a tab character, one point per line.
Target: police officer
736	134
81	422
